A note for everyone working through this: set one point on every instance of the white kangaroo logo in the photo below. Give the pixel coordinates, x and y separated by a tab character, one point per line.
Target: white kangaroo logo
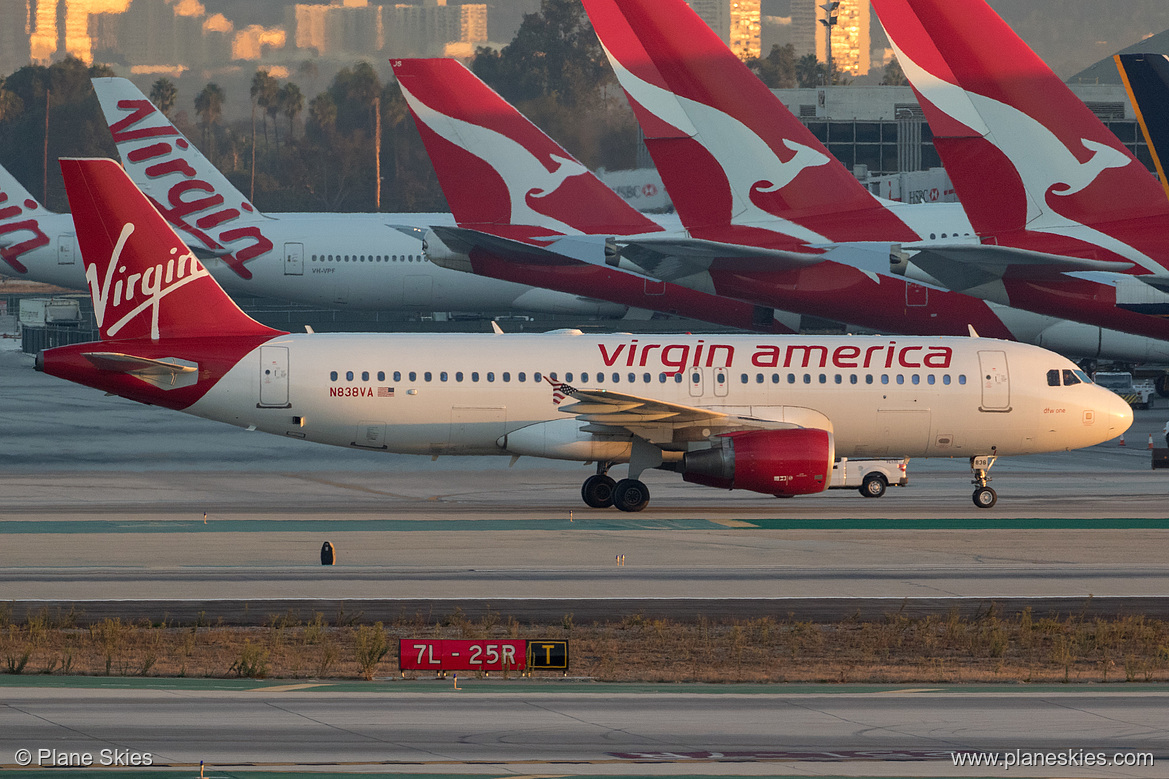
748	162
1041	159
177	272
521	172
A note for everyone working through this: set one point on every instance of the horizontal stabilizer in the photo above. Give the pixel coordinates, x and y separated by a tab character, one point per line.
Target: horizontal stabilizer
673	258
161	373
966	266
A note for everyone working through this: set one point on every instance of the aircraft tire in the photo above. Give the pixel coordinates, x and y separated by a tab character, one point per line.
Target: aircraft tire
985	497
630	495
597	491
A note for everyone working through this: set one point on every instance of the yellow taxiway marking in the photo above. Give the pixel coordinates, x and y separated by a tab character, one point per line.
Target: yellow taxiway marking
732	523
288	687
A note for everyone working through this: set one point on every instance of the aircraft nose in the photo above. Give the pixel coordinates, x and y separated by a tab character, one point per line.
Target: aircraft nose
1118	414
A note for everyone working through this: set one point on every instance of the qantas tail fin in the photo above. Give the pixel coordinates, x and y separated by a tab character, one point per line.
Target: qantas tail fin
1023	152
1146	77
730	154
500	173
184	186
144	281
20	229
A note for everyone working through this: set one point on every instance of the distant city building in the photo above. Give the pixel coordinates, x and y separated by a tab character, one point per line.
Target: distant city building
745	28
716	14
15	51
426	30
850	36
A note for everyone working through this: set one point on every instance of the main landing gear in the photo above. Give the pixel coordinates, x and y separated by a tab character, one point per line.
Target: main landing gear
601	491
984	497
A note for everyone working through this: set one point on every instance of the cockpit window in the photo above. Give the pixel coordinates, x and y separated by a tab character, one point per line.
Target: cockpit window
1070	378
1083	377
1053	378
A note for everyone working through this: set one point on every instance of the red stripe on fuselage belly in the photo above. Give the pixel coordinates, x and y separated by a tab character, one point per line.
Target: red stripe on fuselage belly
836	291
215	357
1083	301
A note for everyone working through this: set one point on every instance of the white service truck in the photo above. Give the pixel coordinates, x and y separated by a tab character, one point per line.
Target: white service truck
49	312
869	477
1139	394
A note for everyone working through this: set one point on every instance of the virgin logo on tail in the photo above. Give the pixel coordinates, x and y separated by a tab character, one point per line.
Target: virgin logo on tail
527	178
193	205
1043	162
138	291
9	224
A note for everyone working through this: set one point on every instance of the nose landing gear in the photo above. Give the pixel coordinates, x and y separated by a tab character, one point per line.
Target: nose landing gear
984	497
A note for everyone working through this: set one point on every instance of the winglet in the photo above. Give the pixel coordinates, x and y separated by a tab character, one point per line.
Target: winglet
973	332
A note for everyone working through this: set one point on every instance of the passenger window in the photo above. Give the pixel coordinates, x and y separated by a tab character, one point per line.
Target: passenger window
678	377
381	375
365	375
616	378
962	378
458	375
946	379
442	376
426	376
521	376
823	379
332	375
348	375
536	377
884	378
397	375
900	379
567	377
758	378
791	378
929	379
839	379
552	376
413	376
474	375
915	379
1069	378
775	378
1053	378
506	376
743	379
632	378
584	377
662	378
490	375
646	378
807	378
868	378
852	378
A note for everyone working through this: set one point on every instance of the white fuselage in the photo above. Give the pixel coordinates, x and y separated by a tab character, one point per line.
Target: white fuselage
422	394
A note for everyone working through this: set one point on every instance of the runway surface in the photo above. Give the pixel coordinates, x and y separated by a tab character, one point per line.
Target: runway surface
534	729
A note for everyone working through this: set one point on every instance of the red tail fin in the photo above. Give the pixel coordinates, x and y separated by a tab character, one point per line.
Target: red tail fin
1023	152
144	281
499	170
728	151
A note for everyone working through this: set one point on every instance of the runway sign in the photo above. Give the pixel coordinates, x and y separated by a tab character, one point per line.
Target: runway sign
548	654
456	654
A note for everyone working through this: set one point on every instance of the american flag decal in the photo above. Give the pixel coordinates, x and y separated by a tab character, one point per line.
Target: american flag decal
560	390
385	392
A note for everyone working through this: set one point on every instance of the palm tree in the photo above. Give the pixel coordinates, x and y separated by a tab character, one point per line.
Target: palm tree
209	107
163	94
291	103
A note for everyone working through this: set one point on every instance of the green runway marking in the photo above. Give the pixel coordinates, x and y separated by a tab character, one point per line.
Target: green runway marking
470	685
102	526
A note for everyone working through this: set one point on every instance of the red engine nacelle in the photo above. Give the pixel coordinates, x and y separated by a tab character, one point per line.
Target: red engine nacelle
774	462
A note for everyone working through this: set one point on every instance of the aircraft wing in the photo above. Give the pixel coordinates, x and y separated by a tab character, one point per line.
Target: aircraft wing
670	425
964	266
463	240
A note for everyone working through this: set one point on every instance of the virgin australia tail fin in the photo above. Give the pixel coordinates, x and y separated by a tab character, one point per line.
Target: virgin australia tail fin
183	184
144	281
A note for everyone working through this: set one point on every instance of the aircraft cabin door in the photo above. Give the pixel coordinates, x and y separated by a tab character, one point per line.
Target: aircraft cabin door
294	259
67	249
696	383
722	382
273	377
996	381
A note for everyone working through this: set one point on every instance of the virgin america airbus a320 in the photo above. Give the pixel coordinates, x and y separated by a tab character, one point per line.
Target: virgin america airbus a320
760	413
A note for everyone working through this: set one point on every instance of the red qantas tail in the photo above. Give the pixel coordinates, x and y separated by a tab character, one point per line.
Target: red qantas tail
144	281
730	154
499	171
1023	152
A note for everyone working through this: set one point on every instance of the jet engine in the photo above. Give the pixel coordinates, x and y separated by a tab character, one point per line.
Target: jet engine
775	462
